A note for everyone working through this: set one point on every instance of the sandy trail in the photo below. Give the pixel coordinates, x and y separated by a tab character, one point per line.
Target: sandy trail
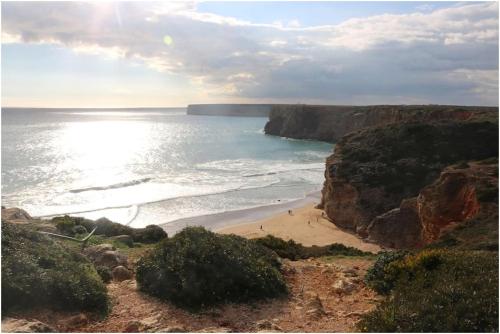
305	279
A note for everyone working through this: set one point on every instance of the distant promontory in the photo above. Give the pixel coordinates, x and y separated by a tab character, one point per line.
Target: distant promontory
245	110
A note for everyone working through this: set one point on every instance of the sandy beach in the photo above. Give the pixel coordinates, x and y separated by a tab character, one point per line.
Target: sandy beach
304	225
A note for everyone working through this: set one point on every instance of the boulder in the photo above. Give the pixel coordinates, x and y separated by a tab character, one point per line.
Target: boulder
215	330
133	326
172	329
314	307
12	325
75	321
106	255
120	273
15	215
267	325
93	251
398	228
343	287
350	272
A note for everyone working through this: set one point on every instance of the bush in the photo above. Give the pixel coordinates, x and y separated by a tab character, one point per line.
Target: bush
38	271
440	291
105	273
197	268
149	234
65	225
295	251
73	225
377	277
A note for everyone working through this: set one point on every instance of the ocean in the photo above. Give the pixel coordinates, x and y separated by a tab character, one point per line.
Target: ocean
150	166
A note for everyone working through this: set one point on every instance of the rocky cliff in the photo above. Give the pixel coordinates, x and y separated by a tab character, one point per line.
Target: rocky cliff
330	123
246	110
392	184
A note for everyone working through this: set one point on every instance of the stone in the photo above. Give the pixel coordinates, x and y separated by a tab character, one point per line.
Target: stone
120	273
327	270
343	286
106	255
172	329
76	320
124	239
215	330
267	324
314	307
132	326
93	251
15	215
350	273
12	325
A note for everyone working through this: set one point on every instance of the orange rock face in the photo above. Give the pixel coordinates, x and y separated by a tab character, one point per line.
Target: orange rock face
449	200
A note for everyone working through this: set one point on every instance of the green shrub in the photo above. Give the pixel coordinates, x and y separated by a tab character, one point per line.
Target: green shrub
196	268
149	234
74	225
440	291
38	271
296	251
105	273
377	276
65	225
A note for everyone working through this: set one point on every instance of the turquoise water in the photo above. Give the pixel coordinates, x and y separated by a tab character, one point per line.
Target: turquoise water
150	166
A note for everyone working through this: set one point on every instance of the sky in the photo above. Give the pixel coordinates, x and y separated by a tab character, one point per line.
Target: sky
159	54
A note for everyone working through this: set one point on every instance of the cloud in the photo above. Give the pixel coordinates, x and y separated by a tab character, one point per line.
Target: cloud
442	56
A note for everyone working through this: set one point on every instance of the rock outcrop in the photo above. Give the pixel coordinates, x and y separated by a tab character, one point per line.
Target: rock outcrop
14	215
376	181
330	123
12	325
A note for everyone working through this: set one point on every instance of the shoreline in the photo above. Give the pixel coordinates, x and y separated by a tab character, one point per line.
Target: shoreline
304	225
221	220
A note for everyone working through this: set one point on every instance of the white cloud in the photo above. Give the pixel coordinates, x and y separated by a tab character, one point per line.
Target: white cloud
442	56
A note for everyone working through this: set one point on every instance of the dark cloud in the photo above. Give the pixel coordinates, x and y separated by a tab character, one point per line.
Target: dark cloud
444	56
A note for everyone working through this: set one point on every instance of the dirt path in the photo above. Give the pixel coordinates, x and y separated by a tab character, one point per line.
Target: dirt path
300	312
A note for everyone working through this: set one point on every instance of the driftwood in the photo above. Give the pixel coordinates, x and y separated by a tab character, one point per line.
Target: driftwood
84	241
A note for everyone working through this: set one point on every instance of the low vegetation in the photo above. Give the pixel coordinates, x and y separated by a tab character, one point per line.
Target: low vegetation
437	290
296	251
377	277
197	268
478	233
76	225
39	272
403	158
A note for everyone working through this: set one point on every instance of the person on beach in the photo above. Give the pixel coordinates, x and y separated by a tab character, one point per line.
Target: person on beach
261	227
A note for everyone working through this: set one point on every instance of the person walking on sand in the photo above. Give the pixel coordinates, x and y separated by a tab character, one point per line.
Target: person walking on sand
261	227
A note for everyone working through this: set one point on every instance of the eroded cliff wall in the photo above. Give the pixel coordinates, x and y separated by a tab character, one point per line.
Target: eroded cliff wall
381	181
330	123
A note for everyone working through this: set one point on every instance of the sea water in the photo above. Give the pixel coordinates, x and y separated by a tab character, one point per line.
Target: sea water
150	166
